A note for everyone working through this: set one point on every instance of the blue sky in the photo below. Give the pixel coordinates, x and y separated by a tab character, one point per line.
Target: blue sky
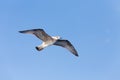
92	26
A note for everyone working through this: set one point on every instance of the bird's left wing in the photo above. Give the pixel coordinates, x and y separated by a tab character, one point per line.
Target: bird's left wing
66	44
40	33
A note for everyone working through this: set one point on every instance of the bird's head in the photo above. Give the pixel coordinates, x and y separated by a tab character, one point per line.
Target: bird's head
56	37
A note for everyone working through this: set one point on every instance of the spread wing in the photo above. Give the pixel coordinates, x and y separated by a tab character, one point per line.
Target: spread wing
66	44
40	33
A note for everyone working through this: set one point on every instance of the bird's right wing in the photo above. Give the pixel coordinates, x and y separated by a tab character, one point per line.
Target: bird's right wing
40	33
66	44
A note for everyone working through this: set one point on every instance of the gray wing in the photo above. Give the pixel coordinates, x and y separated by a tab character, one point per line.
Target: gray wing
40	33
66	44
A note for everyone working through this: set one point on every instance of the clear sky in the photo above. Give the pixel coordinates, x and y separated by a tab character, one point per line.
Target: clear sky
92	26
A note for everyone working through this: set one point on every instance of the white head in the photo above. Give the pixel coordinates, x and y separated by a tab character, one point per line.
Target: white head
56	37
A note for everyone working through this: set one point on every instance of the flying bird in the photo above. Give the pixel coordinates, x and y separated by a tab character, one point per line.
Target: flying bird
50	40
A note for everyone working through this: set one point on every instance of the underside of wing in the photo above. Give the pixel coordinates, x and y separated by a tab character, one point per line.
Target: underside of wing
66	44
40	33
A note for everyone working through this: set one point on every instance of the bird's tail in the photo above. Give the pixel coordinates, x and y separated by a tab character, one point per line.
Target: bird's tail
39	48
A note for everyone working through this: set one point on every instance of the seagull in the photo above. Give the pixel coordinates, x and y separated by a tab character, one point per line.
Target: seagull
50	40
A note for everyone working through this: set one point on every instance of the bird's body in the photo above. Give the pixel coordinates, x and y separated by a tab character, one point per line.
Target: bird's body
47	43
48	40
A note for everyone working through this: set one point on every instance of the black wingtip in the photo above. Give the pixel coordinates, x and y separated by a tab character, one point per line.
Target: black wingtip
20	31
23	31
76	54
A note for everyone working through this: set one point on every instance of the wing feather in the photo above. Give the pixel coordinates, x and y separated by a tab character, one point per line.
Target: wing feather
40	33
66	44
